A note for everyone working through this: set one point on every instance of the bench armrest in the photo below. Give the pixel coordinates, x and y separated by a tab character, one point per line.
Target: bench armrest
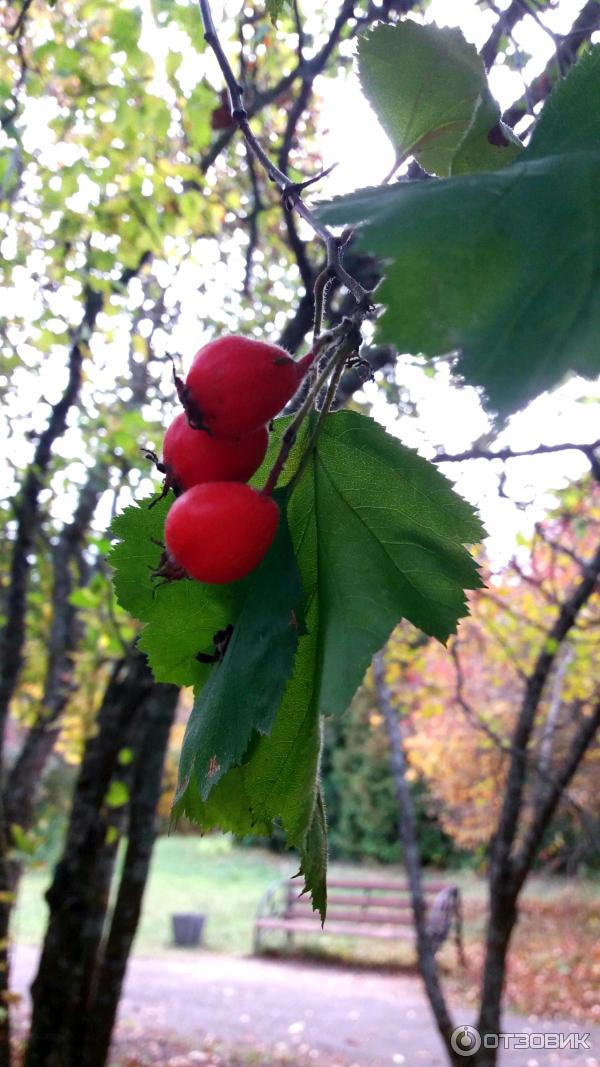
446	913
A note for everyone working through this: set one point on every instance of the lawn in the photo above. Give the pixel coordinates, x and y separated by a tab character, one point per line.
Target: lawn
194	874
555	963
222	880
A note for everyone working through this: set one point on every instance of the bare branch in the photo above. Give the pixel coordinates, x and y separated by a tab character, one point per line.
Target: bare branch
252	220
20	792
290	191
515	783
507	20
525	856
582	29
511	453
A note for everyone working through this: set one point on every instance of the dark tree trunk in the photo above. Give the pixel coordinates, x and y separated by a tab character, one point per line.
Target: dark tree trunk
412	859
501	923
75	897
109	977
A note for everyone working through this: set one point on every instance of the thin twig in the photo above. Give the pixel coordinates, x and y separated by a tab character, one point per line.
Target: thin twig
20	21
299	30
584	25
588	450
541	771
290	191
252	219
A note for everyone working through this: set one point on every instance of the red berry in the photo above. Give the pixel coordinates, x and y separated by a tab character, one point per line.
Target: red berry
219	531
236	384
193	456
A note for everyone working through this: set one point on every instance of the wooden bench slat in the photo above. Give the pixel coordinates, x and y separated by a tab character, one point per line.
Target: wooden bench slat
313	926
373	915
350	901
368	903
402	887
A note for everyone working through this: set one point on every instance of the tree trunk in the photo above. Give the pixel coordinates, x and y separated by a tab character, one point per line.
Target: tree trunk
501	923
408	833
72	889
100	1017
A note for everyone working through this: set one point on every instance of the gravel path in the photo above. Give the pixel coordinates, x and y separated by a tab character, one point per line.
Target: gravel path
311	1012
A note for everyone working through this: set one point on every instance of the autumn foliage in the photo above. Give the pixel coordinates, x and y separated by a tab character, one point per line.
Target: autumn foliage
461	708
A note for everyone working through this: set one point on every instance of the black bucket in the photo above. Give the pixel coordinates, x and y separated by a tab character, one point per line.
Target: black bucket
188	929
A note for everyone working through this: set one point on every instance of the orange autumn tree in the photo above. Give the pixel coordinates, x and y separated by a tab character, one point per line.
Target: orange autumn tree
460	710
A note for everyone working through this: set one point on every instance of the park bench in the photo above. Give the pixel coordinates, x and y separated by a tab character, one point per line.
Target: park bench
361	908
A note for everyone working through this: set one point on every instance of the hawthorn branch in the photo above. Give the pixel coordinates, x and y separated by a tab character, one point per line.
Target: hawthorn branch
590	451
507	20
290	191
584	25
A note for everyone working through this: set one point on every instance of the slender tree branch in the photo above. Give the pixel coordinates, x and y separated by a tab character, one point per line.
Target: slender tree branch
299	30
559	548
12	639
253	216
507	20
18	26
290	191
524	857
515	783
23	780
540	768
511	453
582	29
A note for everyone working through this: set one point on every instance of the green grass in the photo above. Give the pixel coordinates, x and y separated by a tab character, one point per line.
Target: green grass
213	876
194	874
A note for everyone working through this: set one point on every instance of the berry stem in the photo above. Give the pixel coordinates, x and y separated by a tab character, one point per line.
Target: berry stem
343	339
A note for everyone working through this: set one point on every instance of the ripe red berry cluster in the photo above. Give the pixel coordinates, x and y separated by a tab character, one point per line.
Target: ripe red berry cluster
219	528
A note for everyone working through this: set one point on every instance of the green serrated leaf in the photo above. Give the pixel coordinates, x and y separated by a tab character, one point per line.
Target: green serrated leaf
277	779
489	143
181	617
505	266
570	119
313	858
425	84
378	534
244	691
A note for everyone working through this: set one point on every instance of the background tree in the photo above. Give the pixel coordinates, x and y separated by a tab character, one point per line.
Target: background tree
519	701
